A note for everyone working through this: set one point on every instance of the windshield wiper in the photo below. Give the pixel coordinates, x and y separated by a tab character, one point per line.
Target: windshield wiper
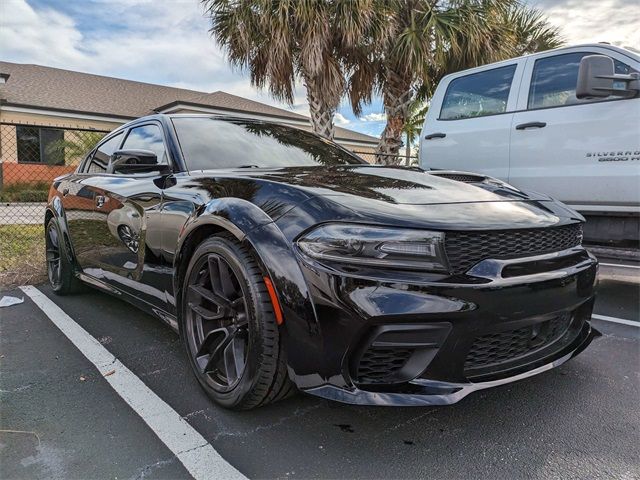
249	166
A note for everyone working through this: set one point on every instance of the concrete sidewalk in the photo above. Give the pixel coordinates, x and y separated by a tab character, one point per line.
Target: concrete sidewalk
28	213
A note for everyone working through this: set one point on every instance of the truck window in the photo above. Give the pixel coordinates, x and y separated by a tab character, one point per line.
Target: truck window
553	82
478	94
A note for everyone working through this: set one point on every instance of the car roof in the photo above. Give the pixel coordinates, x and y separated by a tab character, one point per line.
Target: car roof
162	117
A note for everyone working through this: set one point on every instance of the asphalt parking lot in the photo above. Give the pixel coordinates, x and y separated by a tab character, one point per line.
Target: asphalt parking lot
62	418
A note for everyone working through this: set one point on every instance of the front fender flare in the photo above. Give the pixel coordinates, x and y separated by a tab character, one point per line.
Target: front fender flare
250	224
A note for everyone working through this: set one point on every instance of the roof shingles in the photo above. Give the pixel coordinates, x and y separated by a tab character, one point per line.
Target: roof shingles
56	89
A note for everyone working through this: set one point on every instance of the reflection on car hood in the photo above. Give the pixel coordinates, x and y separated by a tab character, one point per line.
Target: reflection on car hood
395	185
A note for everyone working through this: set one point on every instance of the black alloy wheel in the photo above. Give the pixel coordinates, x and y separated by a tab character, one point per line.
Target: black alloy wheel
228	327
217	323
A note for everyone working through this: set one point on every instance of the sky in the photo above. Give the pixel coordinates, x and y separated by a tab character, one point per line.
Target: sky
167	42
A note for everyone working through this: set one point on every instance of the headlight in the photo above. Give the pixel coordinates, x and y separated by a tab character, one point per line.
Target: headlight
395	248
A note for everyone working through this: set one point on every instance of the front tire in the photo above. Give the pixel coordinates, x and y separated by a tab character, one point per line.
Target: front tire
228	327
60	270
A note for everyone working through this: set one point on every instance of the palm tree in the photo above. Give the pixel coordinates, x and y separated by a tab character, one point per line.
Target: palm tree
73	147
281	41
426	39
413	126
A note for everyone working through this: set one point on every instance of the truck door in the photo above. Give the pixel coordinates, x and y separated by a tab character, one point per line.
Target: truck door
583	152
468	125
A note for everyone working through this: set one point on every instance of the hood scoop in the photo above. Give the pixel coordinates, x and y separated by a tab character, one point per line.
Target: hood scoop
459	176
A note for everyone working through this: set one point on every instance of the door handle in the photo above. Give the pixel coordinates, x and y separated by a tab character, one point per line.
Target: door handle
524	126
100	201
435	135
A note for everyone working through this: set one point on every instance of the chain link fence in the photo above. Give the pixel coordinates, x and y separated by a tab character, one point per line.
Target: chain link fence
31	156
396	159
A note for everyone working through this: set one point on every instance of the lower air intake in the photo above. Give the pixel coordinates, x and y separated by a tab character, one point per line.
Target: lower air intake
381	365
496	349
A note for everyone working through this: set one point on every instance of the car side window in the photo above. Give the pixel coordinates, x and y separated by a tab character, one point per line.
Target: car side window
553	82
147	137
478	94
100	158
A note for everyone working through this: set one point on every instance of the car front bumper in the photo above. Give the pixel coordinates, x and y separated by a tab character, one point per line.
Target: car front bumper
426	392
433	343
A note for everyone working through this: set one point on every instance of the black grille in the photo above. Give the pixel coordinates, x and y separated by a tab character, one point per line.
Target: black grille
380	365
460	177
465	249
498	348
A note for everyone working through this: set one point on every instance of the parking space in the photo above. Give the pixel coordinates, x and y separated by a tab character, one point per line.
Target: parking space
62	418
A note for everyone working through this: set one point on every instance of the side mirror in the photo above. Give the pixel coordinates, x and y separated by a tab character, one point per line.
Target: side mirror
135	161
596	77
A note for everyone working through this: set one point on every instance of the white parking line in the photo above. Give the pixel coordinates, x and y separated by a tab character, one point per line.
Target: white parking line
605	318
191	448
619	265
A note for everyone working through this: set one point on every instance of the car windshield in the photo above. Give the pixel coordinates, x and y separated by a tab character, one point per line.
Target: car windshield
209	142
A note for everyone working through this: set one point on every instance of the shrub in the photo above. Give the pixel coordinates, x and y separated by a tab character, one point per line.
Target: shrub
25	192
32	196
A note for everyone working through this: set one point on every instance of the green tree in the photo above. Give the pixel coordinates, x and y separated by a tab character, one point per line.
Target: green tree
427	39
73	147
281	41
413	127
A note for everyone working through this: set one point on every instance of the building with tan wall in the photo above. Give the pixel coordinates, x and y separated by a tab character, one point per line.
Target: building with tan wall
47	115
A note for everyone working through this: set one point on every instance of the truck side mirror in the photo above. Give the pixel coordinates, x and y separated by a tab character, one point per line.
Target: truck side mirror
596	76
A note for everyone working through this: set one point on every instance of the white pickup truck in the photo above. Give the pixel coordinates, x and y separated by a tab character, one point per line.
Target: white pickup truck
564	122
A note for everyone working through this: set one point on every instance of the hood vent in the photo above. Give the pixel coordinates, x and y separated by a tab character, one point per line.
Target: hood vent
460	177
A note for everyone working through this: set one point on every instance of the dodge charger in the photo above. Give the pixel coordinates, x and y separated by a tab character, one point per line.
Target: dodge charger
287	262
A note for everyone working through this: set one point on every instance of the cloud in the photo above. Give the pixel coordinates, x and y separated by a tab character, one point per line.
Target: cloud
374	117
157	42
340	119
38	37
592	21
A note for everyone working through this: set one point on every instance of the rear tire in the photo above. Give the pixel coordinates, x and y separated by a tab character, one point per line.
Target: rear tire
60	269
228	327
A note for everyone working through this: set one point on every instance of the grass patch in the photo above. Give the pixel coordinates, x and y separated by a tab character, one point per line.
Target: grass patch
22	255
25	192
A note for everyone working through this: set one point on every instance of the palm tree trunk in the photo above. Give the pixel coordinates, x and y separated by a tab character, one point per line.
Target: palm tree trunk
398	96
321	113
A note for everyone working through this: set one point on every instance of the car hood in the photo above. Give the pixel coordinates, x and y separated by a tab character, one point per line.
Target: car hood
395	185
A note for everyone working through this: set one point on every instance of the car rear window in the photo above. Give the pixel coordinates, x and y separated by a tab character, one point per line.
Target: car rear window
209	142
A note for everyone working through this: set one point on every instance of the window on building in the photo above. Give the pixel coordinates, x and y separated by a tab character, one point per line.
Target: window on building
40	145
554	79
100	159
478	94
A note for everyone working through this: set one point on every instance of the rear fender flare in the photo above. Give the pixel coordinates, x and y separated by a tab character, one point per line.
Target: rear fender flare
55	210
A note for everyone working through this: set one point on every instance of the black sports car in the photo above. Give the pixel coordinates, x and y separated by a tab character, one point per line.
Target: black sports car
286	261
